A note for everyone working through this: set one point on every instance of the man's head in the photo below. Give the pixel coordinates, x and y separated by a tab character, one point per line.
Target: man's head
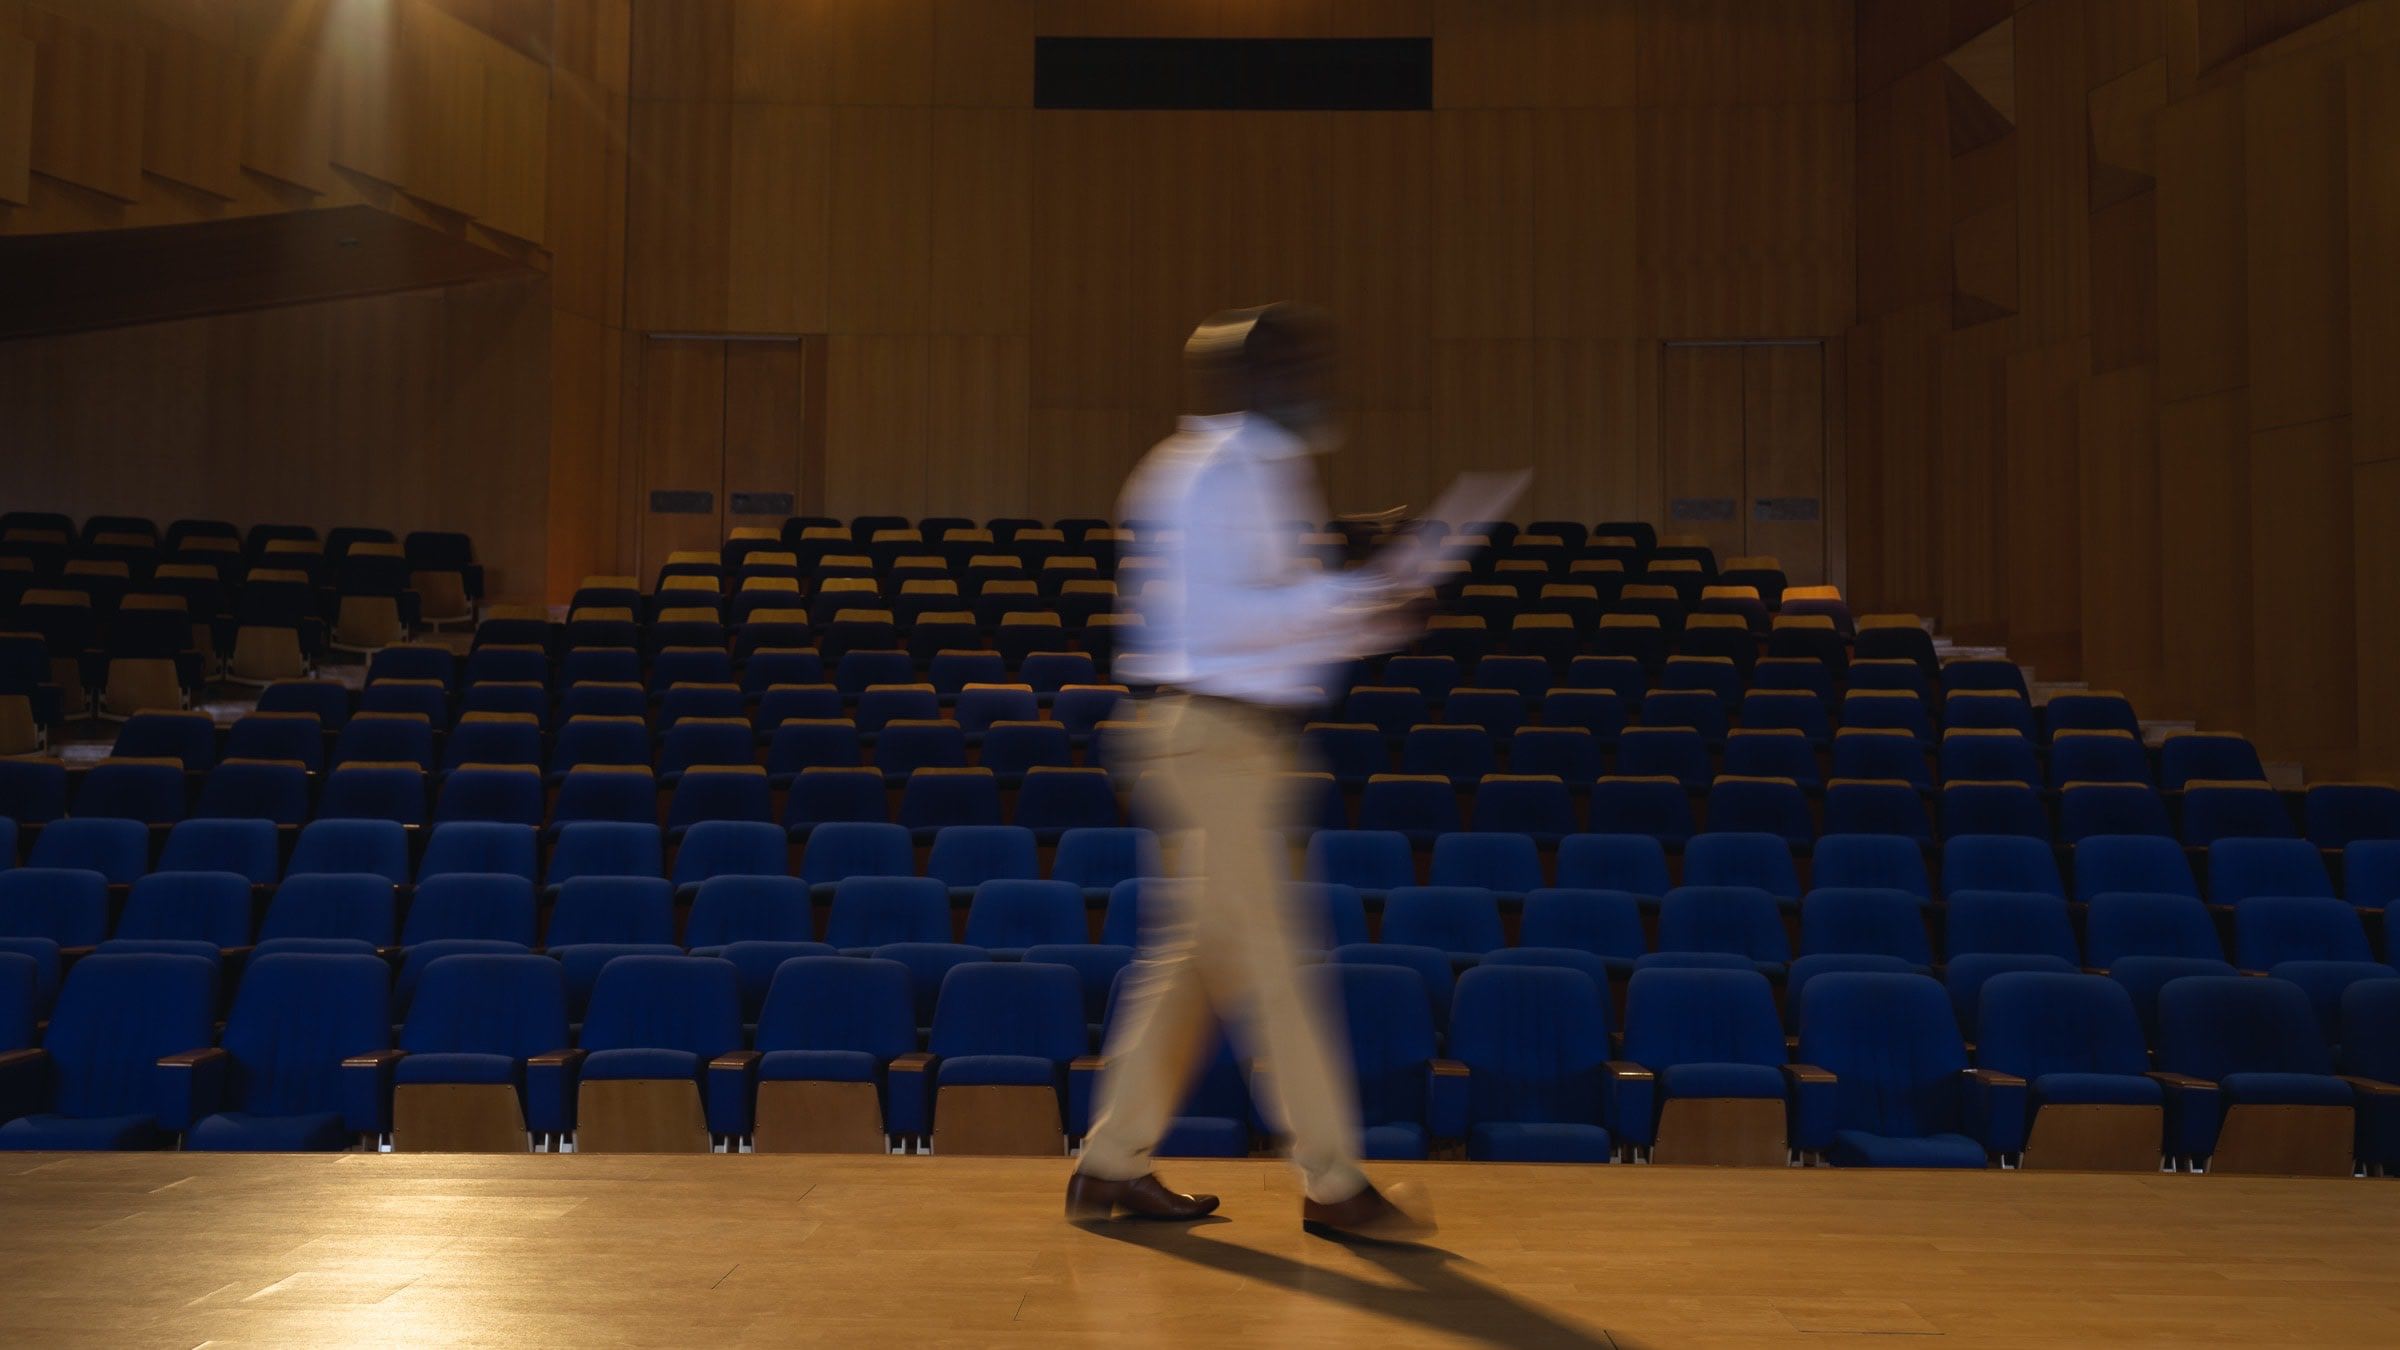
1272	360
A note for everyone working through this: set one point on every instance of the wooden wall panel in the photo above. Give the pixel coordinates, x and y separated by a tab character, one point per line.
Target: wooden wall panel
678	196
2122	34
1483	223
2044	535
1902	160
763	451
2053	133
2121	572
2304	657
778	218
1969	483
16	117
584	174
685	49
2203	323
1700	429
516	150
1745	228
192	110
87	109
880	52
370	85
977	424
2204	530
679	443
1535	53
1585	235
582	536
2125	284
881	220
442	98
288	122
2298	224
2375	499
2374	197
1783	453
1709	52
980	243
876	424
983	53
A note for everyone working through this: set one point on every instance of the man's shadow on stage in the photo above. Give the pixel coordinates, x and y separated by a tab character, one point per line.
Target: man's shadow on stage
1436	1292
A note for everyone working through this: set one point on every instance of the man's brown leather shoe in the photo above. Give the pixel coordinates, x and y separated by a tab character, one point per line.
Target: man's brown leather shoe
1403	1215
1144	1197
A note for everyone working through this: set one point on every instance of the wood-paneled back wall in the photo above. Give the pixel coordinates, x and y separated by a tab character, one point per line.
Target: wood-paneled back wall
2119	393
1004	290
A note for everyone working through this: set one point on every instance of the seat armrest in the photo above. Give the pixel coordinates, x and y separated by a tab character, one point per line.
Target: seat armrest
1998	1110
191	1085
2371	1087
24	1083
1629	1100
550	1082
1446	1099
1083	1078
1810	1106
2180	1082
908	1096
726	1089
2195	1111
366	1090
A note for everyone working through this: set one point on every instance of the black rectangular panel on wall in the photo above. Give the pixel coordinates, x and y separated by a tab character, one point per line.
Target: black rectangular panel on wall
1234	74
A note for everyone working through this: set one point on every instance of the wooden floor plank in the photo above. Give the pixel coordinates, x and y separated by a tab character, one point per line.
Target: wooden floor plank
176	1250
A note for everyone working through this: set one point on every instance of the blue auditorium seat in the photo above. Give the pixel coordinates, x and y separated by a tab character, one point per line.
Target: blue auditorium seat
2371	873
825	795
280	1082
117	849
189	738
1755	753
1868	754
63	905
96	1082
938	798
1436	977
1815	964
966	856
2093	710
497	1022
836	1020
2214	812
2009	923
1506	863
1983	810
1741	921
1992	862
839	849
1570	754
2119	924
1659	807
297	738
1786	710
1772	806
873	910
385	738
1534	1041
2086	810
1852	920
1606	923
1616	862
2132	863
375	792
355	908
1988	756
718	848
2097	757
507	793
1462	922
1009	915
1876	806
665	1020
1701	1035
145	790
707	793
486	906
248	847
1403	1102
1097	858
1871	861
1497	713
1415	805
2251	1043
1005	1025
2208	756
2370	1049
33	791
755	961
1654	751
2142	977
1899	1066
481	846
2075	1041
2241	868
1375	862
737	907
2340	814
1536	807
1742	858
603	848
1461	754
211	908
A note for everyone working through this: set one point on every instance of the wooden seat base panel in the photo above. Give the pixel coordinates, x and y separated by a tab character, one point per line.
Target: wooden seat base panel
640	1115
2095	1139
2302	1141
1722	1132
457	1118
819	1118
998	1121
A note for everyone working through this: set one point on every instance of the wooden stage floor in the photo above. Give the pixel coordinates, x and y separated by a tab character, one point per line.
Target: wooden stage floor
178	1250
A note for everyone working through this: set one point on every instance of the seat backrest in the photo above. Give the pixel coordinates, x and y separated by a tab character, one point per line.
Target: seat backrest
1015	912
2132	862
1497	862
1701	1017
606	848
1451	918
1617	862
1858	920
1893	1045
488	1005
2000	862
378	846
354	905
612	909
2213	1025
2241	868
2032	1023
687	1003
68	906
116	1017
116	849
1391	1034
297	1017
871	910
1102	856
970	855
195	906
2119	924
1741	858
1739	920
736	908
1010	1008
1604	922
1533	1039
2019	923
248	847
839	1003
2269	930
490	905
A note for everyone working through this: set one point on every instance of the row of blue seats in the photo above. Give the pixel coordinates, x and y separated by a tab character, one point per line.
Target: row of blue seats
1529	1070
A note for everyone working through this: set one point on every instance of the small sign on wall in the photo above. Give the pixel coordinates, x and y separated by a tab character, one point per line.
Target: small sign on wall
671	503
1784	510
760	503
1702	509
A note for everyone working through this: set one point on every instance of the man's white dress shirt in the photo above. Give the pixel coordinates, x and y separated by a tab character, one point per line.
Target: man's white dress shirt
1234	610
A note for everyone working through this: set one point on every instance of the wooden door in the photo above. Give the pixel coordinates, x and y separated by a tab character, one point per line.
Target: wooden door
725	440
1741	440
